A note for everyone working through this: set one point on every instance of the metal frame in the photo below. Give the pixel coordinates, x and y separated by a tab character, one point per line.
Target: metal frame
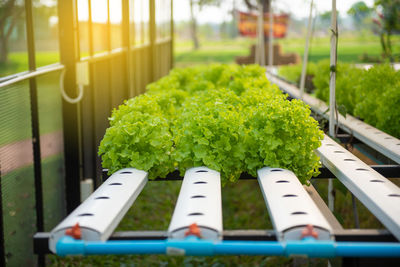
388	171
37	159
357	235
2	245
30	75
337	232
68	57
41	240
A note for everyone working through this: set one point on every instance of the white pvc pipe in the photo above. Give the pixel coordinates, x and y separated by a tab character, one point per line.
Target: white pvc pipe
305	57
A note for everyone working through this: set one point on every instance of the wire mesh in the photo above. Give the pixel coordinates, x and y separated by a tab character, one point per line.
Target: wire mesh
17	174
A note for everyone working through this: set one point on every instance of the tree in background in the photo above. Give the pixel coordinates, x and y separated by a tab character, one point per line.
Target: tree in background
324	19
12	20
252	4
193	21
360	12
389	22
10	13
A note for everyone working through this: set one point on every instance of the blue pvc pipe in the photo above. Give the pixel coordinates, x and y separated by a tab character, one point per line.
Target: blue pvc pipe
367	249
249	248
198	247
70	246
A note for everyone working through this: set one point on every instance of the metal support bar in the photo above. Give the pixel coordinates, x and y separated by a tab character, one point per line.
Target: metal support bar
2	246
41	240
377	193
37	161
126	42
332	81
289	205
100	213
30	74
270	35
172	34
305	57
260	33
152	33
199	202
68	57
389	171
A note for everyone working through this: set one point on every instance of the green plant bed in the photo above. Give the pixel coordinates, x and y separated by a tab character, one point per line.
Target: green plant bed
372	95
226	117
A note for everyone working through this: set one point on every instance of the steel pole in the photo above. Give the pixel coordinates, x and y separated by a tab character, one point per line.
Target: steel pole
260	29
332	97
305	57
271	37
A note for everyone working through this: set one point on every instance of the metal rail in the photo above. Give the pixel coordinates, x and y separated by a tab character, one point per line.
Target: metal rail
41	239
32	74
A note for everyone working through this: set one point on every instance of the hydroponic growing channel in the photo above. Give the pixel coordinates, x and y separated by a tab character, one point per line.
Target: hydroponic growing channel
303	225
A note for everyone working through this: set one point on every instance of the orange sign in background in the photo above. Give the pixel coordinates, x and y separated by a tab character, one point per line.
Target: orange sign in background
248	24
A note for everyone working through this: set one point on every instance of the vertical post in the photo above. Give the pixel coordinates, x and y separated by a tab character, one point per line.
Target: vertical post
271	37
172	35
260	29
35	117
68	56
37	161
305	57
332	83
108	28
86	111
92	145
332	97
109	48
126	43
152	22
90	29
78	45
2	246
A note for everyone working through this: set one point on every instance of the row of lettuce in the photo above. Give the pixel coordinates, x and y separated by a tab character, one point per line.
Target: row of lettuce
226	117
372	95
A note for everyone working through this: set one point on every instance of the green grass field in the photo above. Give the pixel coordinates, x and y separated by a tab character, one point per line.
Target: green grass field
18	62
350	49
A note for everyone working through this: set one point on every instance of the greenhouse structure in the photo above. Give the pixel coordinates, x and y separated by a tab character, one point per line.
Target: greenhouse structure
114	154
